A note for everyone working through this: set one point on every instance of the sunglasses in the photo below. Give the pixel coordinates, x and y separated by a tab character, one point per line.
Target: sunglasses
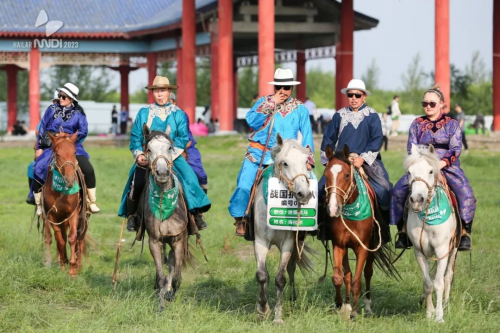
351	95
431	104
63	97
278	88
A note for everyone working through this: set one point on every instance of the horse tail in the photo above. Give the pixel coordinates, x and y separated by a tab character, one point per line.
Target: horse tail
305	262
384	261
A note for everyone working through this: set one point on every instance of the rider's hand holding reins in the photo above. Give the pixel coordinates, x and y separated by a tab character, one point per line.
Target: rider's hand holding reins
38	152
142	160
442	164
358	162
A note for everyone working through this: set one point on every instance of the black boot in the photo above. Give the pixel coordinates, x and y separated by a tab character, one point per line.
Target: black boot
30	201
402	242
465	240
384	226
132	218
200	221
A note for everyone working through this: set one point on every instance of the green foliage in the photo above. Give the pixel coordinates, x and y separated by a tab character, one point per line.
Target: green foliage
248	86
321	87
22	90
94	82
370	78
203	82
414	81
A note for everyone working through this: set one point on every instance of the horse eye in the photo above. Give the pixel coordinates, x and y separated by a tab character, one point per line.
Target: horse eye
347	175
285	164
432	171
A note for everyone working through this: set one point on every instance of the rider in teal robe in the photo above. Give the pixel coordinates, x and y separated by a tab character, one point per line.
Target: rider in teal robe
158	117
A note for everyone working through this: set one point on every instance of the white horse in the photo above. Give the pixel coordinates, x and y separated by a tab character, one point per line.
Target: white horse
290	160
428	240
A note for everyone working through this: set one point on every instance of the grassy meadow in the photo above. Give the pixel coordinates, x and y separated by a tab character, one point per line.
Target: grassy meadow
220	296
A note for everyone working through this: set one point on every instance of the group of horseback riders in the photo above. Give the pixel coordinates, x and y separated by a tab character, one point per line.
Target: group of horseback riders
357	126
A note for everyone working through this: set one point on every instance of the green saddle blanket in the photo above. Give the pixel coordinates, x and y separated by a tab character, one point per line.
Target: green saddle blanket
361	208
163	206
439	209
59	184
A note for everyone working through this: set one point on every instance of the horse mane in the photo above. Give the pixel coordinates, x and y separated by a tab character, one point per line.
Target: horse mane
154	134
423	155
278	152
340	156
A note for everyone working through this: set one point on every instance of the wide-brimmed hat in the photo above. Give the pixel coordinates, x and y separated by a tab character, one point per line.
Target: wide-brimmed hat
56	95
161	82
284	77
356	84
71	90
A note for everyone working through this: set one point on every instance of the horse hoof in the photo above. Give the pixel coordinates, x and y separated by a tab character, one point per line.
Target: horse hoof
169	296
263	314
161	309
278	321
441	320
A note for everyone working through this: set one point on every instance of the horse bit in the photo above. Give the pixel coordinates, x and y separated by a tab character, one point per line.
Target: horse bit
344	194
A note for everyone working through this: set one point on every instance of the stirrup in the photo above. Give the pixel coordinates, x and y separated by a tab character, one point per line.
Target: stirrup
399	242
240	227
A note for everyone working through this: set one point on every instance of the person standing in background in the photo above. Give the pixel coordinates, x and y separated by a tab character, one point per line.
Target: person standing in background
460	117
395	113
123	120
114	121
311	107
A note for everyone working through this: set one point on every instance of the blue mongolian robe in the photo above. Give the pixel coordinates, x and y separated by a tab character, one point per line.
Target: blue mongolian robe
56	119
158	118
361	131
445	135
290	117
194	158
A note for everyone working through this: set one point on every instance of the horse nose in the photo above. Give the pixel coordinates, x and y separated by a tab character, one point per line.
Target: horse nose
417	201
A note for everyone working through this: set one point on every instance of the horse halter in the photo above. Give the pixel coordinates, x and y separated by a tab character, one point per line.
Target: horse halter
59	167
344	194
289	182
429	187
155	161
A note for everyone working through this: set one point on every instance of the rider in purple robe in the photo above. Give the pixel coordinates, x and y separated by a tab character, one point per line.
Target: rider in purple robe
67	116
445	135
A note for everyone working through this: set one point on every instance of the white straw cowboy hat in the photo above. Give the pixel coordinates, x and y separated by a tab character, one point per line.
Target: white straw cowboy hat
71	90
356	84
161	82
284	77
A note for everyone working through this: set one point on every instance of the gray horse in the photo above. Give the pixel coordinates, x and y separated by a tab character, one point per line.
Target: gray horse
290	160
173	230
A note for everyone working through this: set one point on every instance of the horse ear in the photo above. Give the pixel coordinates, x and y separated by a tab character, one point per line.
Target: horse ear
345	151
431	149
52	137
329	151
168	130
279	140
299	137
414	149
145	130
73	137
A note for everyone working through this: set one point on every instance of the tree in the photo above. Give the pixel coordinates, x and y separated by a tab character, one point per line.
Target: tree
371	76
414	81
321	88
477	69
248	86
22	90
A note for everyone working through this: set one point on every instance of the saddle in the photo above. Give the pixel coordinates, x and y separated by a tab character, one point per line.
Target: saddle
459	230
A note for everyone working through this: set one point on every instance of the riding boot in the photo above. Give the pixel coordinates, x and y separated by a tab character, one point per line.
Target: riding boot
91	199
465	240
132	219
38	201
30	200
384	226
240	226
403	242
200	221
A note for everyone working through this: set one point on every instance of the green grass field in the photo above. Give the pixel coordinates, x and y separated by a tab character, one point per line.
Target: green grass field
220	296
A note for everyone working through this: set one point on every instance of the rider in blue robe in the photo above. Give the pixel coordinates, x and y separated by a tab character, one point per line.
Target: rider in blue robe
290	116
359	127
68	117
158	116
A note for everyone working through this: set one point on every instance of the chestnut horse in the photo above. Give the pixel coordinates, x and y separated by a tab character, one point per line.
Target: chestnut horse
363	236
64	211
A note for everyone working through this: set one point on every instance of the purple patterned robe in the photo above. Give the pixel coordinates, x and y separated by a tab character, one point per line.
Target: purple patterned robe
445	135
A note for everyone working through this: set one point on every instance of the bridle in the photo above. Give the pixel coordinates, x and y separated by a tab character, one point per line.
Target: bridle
429	188
155	161
289	182
346	195
59	167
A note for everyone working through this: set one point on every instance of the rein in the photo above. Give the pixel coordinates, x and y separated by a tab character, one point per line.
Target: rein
429	200
346	195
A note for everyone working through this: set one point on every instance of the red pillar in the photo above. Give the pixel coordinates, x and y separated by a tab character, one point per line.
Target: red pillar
347	47
442	48
226	74
152	60
188	58
178	54
34	88
339	97
496	66
301	75
11	95
266	46
214	71
124	96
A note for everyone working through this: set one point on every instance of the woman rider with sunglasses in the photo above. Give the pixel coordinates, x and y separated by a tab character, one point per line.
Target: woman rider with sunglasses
67	116
445	135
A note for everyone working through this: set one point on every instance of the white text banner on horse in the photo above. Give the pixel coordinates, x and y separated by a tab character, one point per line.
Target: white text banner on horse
282	208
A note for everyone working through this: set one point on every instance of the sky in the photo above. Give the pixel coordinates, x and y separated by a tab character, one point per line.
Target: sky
406	27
